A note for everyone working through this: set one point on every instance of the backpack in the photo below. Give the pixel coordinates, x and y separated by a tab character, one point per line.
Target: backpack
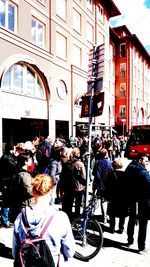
79	179
34	251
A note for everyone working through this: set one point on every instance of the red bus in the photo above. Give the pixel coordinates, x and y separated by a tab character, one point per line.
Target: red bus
138	142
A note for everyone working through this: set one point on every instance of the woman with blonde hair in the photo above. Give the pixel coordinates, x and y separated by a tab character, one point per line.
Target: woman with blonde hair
80	176
59	235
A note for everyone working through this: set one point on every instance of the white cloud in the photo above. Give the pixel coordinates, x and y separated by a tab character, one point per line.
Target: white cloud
136	16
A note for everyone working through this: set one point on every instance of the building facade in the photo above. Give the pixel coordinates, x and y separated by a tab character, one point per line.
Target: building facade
131	64
44	59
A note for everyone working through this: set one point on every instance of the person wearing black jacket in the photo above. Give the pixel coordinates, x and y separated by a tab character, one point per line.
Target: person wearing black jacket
138	192
7	168
67	183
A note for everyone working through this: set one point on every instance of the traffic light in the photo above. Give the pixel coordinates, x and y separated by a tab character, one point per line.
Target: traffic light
85	110
97	104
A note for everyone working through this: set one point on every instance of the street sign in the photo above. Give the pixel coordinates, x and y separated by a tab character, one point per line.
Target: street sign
98	104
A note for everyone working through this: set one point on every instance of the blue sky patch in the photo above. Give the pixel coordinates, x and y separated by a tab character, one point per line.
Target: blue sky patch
147	3
148	48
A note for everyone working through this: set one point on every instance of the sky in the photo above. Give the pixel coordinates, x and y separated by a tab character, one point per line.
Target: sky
136	16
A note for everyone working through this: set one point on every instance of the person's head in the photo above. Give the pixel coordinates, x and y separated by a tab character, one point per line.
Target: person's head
42	184
117	164
65	154
142	159
55	153
24	160
103	153
9	148
28	145
19	148
75	152
59	142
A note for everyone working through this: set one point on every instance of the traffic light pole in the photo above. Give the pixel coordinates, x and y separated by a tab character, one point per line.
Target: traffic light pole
92	90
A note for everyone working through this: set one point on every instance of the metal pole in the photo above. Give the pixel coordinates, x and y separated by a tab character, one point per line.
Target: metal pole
89	152
90	126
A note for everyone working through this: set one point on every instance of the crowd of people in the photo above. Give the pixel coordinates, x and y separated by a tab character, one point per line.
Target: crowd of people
122	193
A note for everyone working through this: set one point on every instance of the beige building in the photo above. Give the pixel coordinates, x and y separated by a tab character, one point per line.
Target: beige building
44	59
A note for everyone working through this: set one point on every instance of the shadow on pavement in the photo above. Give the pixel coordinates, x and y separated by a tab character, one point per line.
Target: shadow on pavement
5	252
116	244
112	243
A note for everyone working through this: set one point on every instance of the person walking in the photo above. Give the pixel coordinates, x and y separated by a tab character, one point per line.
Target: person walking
117	197
103	167
138	190
59	236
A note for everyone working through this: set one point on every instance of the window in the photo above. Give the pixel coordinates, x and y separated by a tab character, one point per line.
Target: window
61	46
123	70
90	32
122	112
38	33
61	90
100	13
90	5
76	56
8	15
122	90
18	78
114	50
22	79
61	9
122	50
76	21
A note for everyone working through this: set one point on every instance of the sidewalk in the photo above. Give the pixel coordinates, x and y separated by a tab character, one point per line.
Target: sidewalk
113	253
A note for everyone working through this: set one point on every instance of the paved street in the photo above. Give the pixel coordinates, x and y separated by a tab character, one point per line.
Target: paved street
113	253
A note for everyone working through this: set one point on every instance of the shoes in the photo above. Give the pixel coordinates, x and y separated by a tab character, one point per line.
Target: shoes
105	220
119	231
143	252
112	230
129	245
8	225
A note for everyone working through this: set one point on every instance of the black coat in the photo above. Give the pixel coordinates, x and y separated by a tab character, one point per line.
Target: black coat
117	196
67	181
138	187
137	181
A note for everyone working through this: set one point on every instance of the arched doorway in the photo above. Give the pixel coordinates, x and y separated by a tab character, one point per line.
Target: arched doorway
25	95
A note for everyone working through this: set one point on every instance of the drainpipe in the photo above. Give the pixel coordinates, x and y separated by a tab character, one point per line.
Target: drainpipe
50	25
72	102
95	35
127	89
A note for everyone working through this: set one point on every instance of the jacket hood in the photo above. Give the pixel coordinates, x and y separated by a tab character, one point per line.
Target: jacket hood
36	218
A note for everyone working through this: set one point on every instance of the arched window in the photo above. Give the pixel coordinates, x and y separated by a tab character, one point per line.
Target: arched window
22	79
